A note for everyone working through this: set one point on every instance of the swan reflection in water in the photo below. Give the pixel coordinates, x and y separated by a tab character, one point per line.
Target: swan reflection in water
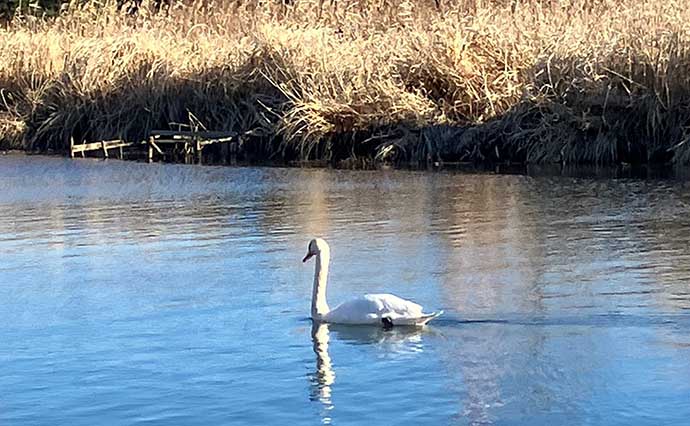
324	376
396	341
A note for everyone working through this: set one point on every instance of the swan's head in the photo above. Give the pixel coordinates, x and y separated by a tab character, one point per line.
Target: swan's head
316	246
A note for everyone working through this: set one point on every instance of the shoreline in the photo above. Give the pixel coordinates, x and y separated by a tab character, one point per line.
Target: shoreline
576	171
589	83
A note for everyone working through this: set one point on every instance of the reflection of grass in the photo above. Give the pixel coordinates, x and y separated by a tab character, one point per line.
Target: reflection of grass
598	81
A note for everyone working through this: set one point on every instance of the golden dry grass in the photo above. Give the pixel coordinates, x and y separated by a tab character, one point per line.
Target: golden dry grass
598	81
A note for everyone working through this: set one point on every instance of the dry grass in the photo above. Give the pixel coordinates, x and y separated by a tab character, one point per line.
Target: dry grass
579	81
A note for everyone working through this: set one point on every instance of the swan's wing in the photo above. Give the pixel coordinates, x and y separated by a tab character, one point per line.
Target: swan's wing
371	308
401	311
394	307
360	310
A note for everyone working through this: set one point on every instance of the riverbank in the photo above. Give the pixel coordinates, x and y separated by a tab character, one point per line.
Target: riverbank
598	82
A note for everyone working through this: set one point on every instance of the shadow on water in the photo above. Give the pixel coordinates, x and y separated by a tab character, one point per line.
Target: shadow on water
609	320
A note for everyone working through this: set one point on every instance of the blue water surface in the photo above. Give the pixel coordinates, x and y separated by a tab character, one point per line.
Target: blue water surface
175	295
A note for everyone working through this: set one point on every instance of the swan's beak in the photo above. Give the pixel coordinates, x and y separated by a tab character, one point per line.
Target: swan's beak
307	257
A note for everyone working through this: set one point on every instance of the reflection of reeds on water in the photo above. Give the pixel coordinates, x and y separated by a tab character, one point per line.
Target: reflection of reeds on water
537	81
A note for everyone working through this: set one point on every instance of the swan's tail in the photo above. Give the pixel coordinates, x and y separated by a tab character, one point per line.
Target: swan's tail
424	319
417	322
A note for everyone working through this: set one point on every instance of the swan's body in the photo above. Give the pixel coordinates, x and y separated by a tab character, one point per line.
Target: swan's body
373	308
370	309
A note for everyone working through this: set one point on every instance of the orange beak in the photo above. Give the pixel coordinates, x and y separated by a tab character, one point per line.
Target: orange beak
307	257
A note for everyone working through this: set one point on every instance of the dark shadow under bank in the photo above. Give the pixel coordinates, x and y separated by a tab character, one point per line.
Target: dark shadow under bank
527	135
679	173
530	134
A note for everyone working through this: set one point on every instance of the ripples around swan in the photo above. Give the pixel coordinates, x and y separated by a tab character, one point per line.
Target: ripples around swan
168	294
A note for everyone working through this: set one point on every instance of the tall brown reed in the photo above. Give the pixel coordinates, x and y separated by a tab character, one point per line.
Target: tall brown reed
595	81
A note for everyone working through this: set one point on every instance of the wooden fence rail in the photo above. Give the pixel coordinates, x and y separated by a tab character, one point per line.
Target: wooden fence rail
174	145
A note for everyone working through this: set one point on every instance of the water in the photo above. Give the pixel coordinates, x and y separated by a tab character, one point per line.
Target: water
168	294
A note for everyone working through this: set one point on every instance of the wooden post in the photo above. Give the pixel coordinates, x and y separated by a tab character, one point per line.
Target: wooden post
71	147
198	148
150	156
234	147
224	151
105	150
122	153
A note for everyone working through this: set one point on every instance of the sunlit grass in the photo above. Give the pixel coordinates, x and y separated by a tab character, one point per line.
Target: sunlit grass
597	81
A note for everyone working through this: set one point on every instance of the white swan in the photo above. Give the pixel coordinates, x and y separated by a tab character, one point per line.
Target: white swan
381	309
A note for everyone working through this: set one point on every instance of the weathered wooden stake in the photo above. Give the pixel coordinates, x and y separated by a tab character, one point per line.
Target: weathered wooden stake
234	147
105	151
224	152
150	155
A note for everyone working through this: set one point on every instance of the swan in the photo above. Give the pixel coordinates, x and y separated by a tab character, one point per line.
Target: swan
371	309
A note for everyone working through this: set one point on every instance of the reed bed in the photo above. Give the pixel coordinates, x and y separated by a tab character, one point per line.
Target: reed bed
579	81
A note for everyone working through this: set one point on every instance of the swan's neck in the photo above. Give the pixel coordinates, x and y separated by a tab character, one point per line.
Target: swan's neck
319	307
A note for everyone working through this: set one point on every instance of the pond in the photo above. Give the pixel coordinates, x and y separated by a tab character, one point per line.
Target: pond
168	294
